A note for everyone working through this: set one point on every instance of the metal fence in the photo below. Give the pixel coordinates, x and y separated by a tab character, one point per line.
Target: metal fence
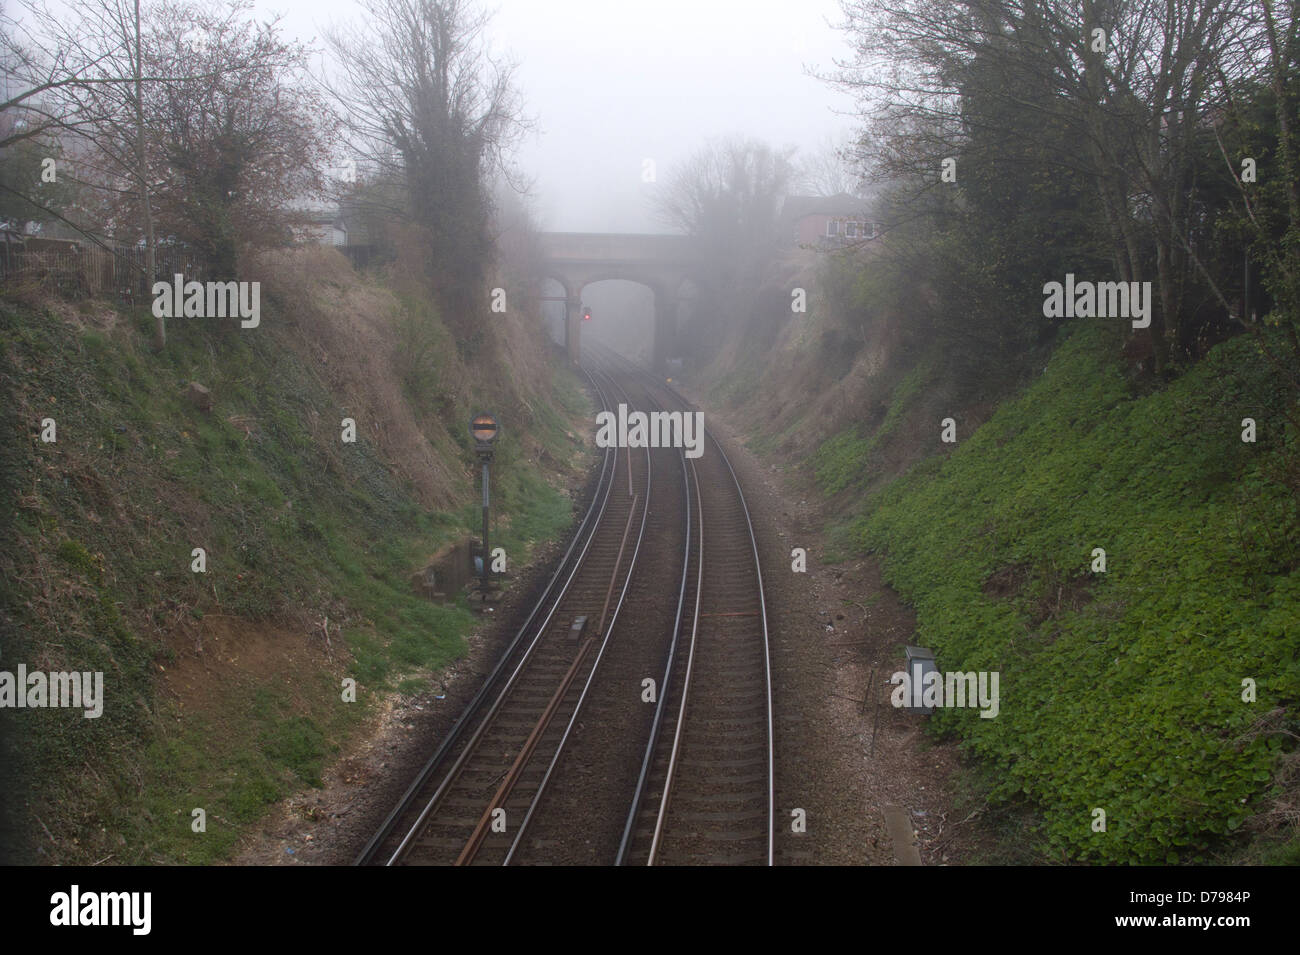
93	272
117	272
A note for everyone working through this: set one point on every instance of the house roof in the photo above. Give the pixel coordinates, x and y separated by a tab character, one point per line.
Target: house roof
328	217
796	207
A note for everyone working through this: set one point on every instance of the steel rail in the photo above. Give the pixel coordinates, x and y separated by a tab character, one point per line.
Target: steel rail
468	853
767	656
688	476
583	535
559	750
507	688
405	845
670	773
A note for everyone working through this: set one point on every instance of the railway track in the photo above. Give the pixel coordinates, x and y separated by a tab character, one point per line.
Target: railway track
706	791
467	804
697	776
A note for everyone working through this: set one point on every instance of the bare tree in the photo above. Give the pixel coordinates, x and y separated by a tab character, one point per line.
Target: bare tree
40	60
1132	80
418	84
234	134
727	195
728	190
188	102
78	71
832	169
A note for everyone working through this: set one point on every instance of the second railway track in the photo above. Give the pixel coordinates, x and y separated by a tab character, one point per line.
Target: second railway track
706	793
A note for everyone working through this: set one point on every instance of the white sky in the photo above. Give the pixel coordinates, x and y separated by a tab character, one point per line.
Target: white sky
612	83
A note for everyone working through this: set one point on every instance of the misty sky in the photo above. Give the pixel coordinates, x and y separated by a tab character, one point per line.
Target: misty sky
612	83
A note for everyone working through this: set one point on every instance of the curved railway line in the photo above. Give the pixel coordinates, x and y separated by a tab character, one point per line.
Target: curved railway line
706	794
689	782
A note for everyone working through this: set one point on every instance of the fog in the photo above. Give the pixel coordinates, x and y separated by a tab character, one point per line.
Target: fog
619	94
612	85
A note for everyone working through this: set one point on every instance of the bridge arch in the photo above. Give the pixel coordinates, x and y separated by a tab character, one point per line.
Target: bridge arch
659	262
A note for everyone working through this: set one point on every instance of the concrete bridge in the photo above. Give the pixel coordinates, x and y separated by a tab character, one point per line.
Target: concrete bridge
659	262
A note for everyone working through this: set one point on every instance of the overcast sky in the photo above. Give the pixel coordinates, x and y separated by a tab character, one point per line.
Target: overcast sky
613	83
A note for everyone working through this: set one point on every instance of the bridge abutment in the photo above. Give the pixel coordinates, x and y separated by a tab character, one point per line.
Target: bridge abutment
665	333
573	326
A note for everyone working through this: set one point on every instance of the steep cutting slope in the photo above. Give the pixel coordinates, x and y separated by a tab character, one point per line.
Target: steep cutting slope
1162	690
224	688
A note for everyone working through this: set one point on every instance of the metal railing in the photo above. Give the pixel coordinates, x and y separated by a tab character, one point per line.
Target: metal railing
94	272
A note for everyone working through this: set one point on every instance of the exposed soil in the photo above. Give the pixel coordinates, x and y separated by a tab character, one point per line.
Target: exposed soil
330	825
223	651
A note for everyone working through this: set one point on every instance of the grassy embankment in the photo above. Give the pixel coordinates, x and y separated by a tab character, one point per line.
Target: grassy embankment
221	692
1121	690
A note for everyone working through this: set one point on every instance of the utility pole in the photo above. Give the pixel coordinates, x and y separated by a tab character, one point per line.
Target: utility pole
142	171
483	428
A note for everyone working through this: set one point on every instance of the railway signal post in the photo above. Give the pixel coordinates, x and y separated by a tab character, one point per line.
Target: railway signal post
483	428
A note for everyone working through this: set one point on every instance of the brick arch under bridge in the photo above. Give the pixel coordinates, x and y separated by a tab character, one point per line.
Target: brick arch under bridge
659	262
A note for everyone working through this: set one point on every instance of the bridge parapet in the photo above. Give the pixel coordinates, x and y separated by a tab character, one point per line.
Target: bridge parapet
619	248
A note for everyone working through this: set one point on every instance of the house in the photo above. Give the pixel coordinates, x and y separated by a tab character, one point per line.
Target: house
826	220
324	227
319	221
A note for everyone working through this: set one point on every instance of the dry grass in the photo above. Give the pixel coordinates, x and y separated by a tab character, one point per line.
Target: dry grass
348	329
